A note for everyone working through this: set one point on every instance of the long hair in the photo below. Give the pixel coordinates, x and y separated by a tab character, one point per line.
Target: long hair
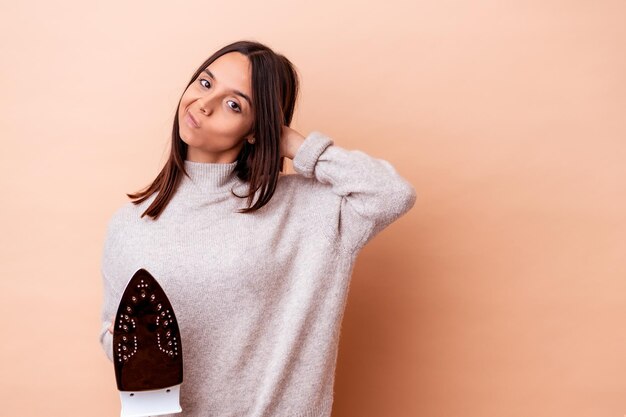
275	88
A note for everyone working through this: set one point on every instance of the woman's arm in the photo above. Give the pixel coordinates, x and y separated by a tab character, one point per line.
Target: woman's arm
110	296
373	194
106	316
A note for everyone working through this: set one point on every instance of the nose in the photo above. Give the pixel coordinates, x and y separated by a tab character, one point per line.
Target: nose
207	102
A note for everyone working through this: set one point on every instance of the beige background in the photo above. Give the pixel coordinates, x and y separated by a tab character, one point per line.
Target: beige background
502	293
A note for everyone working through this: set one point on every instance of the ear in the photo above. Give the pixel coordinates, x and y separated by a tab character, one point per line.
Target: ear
249	135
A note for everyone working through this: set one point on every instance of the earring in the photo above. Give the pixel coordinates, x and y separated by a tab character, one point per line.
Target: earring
252	141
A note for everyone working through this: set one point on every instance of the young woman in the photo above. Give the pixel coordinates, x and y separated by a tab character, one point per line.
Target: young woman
256	262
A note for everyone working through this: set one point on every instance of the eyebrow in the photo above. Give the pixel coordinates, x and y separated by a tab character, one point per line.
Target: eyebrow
239	93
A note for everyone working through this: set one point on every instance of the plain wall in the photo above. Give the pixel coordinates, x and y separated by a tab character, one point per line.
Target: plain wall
502	293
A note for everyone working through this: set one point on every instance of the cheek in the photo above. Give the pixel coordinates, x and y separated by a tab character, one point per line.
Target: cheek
227	125
245	125
228	122
188	97
182	108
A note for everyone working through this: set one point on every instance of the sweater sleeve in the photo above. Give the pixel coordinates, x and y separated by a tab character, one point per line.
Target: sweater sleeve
373	194
110	296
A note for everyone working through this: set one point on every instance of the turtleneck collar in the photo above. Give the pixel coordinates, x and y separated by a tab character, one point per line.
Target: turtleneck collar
210	177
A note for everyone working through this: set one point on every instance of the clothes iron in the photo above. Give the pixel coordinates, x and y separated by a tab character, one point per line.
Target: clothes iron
147	350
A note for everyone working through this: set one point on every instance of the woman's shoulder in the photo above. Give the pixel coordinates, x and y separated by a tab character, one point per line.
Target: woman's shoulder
118	215
299	187
125	212
300	182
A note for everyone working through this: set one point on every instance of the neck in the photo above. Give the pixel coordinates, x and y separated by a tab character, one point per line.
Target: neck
210	177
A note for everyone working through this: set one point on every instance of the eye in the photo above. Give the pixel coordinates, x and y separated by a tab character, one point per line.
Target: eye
237	109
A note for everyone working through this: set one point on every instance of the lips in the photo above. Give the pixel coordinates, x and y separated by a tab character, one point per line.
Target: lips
191	121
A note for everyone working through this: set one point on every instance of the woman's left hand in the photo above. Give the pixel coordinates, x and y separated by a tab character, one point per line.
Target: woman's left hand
290	141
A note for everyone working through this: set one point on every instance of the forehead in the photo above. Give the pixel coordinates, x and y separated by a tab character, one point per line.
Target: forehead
232	71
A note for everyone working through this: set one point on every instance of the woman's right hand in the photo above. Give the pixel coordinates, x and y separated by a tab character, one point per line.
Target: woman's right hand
110	329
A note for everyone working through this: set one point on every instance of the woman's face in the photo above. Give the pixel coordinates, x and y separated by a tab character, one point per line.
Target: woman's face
219	101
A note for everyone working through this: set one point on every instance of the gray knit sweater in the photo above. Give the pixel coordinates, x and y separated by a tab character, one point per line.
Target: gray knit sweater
259	297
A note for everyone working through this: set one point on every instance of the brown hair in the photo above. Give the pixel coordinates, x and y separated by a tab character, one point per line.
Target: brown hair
275	88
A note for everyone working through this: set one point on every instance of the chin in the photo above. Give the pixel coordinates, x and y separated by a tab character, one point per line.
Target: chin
184	137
